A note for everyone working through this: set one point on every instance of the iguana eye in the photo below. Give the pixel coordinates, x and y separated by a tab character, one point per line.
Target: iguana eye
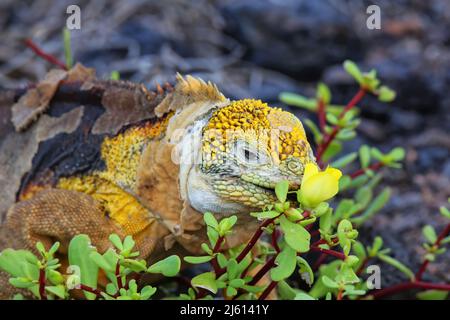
250	156
247	153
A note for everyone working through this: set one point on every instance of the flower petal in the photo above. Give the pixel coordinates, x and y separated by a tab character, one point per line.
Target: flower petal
318	188
310	170
336	173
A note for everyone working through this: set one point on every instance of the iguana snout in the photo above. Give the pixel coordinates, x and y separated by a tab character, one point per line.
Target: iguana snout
246	148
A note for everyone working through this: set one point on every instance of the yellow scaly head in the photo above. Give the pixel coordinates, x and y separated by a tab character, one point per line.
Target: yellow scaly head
247	147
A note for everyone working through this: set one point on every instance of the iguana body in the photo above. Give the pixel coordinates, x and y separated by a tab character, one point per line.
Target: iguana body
79	155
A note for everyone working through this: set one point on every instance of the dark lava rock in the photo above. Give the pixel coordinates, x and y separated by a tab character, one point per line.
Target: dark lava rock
432	158
446	170
405	121
299	38
149	40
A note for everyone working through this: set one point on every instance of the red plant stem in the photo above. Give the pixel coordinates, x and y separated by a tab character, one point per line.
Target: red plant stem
244	273
269	263
216	249
321	114
249	245
318	242
268	290
407	286
118	276
333	253
437	243
201	293
373	167
183	280
320	261
48	57
254	239
275	235
322	257
306	215
324	146
218	244
258	276
91	290
422	269
42	292
356	98
362	266
135	276
323	241
340	294
329	138
314	233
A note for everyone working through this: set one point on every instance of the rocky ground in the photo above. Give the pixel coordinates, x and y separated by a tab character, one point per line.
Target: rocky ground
258	48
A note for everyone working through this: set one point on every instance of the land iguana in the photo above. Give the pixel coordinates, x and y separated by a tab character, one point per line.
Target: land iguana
79	155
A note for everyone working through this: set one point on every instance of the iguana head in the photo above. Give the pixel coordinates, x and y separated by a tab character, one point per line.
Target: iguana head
246	148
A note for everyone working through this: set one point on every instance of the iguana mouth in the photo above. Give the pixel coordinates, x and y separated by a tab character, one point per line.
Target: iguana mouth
291	196
268	185
257	181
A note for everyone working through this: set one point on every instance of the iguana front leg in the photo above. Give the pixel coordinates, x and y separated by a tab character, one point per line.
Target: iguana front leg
58	215
53	215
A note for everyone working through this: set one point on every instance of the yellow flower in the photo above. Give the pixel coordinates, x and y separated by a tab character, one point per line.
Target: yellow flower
318	186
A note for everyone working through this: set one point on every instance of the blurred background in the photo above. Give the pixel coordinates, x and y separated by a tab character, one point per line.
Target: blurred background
259	48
